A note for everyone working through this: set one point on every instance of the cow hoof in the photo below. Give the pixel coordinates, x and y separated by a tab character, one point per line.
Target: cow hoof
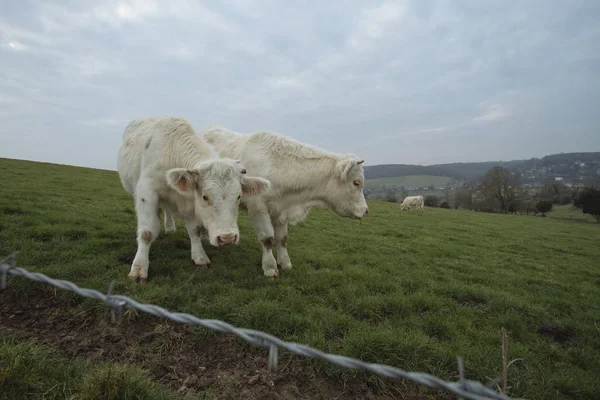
271	273
286	266
204	265
136	278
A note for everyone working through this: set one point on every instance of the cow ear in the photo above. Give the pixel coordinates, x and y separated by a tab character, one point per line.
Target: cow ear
184	181
345	165
253	185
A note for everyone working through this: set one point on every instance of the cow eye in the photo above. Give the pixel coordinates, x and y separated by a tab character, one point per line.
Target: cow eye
239	197
205	198
356	183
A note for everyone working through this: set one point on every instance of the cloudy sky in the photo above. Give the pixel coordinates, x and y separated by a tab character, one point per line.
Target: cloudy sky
417	82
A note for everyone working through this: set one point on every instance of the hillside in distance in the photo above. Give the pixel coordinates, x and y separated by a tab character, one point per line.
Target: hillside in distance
571	166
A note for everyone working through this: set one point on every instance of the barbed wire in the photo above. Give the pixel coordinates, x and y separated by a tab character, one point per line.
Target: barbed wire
464	388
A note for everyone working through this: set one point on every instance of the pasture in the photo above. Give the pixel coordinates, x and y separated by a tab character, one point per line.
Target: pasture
570	213
397	288
409	181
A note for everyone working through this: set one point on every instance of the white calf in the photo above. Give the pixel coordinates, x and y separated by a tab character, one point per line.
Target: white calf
413	201
163	164
301	177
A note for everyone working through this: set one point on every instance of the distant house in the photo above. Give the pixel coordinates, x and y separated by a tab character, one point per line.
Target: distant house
558	178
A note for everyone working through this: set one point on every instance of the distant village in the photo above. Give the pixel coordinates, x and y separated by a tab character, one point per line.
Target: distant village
534	175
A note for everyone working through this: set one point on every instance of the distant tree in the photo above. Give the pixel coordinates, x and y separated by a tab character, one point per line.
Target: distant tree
390	196
589	202
463	197
501	184
592	180
530	207
574	193
447	189
543	207
554	192
431	201
403	194
444	204
564	199
518	206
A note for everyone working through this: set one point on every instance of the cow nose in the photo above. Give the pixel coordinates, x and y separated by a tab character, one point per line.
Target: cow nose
227	239
366	212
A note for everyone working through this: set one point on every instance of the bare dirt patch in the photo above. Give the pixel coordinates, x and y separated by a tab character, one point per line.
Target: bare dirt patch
179	358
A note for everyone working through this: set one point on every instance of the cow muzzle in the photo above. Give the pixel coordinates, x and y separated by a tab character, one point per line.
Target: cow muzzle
360	214
228	238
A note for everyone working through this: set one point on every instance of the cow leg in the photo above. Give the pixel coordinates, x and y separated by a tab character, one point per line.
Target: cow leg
148	228
283	258
195	229
169	221
264	229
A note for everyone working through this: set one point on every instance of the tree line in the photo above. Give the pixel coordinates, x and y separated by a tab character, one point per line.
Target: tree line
500	190
566	164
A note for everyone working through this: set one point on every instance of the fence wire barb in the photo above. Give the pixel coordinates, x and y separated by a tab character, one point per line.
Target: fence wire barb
464	388
117	307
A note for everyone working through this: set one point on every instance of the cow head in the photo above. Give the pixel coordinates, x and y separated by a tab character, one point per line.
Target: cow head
344	193
216	187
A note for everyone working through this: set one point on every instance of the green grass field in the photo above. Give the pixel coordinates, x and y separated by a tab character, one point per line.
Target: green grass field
408	181
397	288
570	213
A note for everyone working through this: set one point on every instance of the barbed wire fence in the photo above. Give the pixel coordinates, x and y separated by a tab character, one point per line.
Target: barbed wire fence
464	388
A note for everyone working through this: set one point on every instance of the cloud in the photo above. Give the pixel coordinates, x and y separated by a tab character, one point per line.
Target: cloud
105	122
412	81
14	45
375	21
136	9
492	112
285	82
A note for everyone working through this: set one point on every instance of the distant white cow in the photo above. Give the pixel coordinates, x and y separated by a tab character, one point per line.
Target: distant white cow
413	201
301	176
163	164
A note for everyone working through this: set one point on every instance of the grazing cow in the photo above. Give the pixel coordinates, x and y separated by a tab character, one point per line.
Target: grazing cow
301	177
413	201
163	164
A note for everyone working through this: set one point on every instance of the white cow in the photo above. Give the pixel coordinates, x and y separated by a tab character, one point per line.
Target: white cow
163	164
413	201
301	176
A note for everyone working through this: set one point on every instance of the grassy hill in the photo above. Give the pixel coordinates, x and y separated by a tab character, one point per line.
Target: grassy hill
552	164
570	213
397	288
408	181
458	171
